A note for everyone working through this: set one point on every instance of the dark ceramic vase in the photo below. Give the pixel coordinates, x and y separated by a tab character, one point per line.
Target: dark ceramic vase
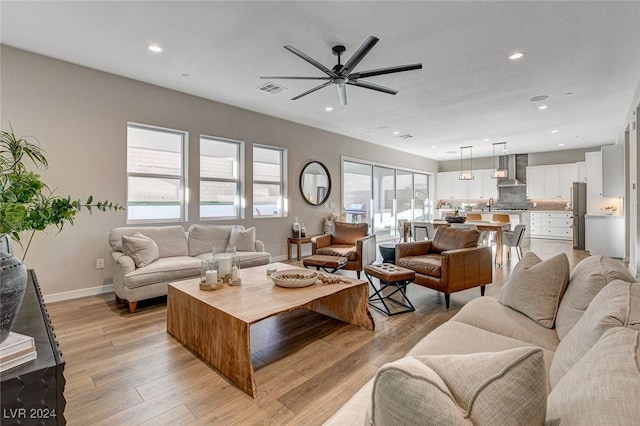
13	283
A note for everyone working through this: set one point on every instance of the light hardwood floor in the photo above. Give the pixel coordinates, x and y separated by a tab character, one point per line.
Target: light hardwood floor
124	369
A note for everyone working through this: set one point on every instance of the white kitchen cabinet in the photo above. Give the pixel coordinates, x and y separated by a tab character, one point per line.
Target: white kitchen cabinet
535	182
552	225
489	186
612	171
449	186
551	182
444	186
594	180
459	187
582	171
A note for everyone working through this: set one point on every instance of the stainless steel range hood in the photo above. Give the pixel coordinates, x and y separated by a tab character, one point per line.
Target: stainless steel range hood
512	179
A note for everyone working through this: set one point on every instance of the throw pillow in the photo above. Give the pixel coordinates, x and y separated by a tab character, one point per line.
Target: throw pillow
535	287
143	250
243	239
616	305
603	387
587	279
496	388
202	238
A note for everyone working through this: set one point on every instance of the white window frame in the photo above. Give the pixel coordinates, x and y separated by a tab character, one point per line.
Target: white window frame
182	196
239	181
284	208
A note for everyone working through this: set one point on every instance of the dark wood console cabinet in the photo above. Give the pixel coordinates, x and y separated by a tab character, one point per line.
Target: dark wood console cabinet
33	393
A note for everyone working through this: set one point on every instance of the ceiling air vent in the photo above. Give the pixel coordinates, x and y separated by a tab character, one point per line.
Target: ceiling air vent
272	88
406	136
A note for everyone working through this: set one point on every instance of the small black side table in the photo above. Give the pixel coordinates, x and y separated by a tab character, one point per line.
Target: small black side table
388	252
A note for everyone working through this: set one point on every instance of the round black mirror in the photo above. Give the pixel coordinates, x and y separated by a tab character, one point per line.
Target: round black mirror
315	183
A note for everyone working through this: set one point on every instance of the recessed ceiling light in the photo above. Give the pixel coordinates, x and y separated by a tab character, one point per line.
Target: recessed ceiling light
568	93
185	74
486	140
560	144
433	146
383	127
396	132
538	98
516	55
554	131
155	48
328	109
542	107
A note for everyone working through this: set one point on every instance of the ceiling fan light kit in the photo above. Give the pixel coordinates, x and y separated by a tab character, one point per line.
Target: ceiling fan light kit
341	75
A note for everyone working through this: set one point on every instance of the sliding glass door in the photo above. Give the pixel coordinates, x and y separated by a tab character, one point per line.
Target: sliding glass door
384	182
381	195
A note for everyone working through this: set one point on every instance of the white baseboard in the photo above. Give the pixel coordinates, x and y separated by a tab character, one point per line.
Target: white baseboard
74	294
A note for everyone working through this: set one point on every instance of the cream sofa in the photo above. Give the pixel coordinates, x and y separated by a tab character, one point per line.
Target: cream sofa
588	363
143	269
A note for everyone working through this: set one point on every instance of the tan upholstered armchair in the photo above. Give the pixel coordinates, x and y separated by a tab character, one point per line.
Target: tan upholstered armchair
349	240
451	262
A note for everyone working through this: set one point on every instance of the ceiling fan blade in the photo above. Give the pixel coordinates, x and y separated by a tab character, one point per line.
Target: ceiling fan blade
312	90
342	94
355	59
310	60
387	70
296	78
372	86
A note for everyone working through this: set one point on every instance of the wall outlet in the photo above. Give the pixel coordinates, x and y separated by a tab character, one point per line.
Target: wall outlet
99	263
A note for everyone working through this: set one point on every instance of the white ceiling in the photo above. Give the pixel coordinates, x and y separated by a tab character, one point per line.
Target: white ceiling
467	91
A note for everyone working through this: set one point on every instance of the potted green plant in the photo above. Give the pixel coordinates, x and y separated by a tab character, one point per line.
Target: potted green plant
28	205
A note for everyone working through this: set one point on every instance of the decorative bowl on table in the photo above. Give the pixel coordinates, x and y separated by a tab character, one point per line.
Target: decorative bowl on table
455	219
294	277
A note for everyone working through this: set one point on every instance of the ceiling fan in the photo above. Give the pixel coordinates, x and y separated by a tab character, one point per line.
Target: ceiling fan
341	75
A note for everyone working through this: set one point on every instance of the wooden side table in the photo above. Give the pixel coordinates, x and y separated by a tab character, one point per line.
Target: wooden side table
298	242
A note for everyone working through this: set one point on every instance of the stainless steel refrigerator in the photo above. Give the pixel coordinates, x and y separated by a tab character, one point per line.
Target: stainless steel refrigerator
579	206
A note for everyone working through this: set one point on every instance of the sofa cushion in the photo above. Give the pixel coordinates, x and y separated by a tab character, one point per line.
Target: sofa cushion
164	269
430	264
489	314
616	305
243	239
602	388
535	287
447	239
453	337
339	250
496	388
203	238
587	279
143	250
171	240
348	233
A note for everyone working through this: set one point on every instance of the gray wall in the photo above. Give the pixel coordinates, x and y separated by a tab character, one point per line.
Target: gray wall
80	116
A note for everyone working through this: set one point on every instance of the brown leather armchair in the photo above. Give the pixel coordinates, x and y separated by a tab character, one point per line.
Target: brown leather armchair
348	240
451	262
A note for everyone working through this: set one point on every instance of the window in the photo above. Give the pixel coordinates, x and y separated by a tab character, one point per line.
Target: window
220	178
156	164
269	184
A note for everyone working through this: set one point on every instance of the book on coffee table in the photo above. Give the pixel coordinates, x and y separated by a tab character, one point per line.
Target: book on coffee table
17	349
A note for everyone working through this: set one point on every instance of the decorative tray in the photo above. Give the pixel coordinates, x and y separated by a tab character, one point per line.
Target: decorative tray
294	277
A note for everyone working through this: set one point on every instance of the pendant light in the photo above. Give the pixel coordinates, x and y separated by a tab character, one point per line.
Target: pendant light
499	168
466	173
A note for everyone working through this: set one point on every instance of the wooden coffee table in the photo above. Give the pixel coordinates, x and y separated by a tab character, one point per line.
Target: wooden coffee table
217	324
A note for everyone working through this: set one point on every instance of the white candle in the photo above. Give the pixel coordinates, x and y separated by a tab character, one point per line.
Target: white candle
212	277
234	273
224	265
